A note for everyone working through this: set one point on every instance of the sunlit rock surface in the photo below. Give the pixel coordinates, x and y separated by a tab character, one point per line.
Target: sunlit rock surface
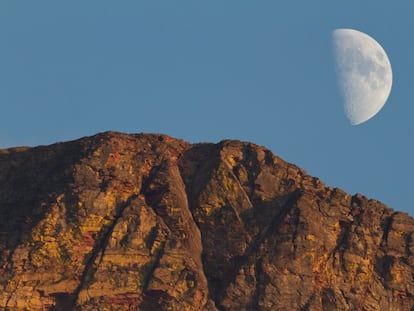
149	222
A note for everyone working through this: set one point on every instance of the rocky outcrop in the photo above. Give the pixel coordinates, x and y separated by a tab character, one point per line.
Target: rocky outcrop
148	222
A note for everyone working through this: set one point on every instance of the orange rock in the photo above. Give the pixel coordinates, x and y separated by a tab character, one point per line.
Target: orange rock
149	222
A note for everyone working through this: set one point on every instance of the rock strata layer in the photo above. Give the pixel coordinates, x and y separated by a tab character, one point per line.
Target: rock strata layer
149	222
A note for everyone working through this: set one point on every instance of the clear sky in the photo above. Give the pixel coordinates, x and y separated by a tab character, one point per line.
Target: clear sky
261	71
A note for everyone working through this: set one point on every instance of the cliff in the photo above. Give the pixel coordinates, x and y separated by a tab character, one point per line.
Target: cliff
149	222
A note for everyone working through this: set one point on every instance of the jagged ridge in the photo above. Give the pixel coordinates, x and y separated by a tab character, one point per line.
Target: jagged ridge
148	222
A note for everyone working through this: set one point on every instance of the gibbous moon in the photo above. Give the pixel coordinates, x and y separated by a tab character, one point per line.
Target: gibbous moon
365	74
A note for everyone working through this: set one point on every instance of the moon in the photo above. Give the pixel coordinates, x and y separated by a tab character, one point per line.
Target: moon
364	72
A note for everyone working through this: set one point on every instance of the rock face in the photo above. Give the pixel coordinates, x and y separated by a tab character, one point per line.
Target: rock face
148	222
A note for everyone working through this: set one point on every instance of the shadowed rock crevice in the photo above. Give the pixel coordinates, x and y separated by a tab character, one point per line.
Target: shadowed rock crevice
386	226
149	222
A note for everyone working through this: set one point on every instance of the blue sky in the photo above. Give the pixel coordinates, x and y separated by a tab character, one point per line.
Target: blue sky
261	71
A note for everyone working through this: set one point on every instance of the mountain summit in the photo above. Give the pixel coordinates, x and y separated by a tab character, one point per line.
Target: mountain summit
149	222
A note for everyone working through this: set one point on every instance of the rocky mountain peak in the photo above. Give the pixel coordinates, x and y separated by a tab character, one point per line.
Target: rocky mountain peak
149	222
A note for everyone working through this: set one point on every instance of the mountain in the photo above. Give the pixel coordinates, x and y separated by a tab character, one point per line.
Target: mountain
149	222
